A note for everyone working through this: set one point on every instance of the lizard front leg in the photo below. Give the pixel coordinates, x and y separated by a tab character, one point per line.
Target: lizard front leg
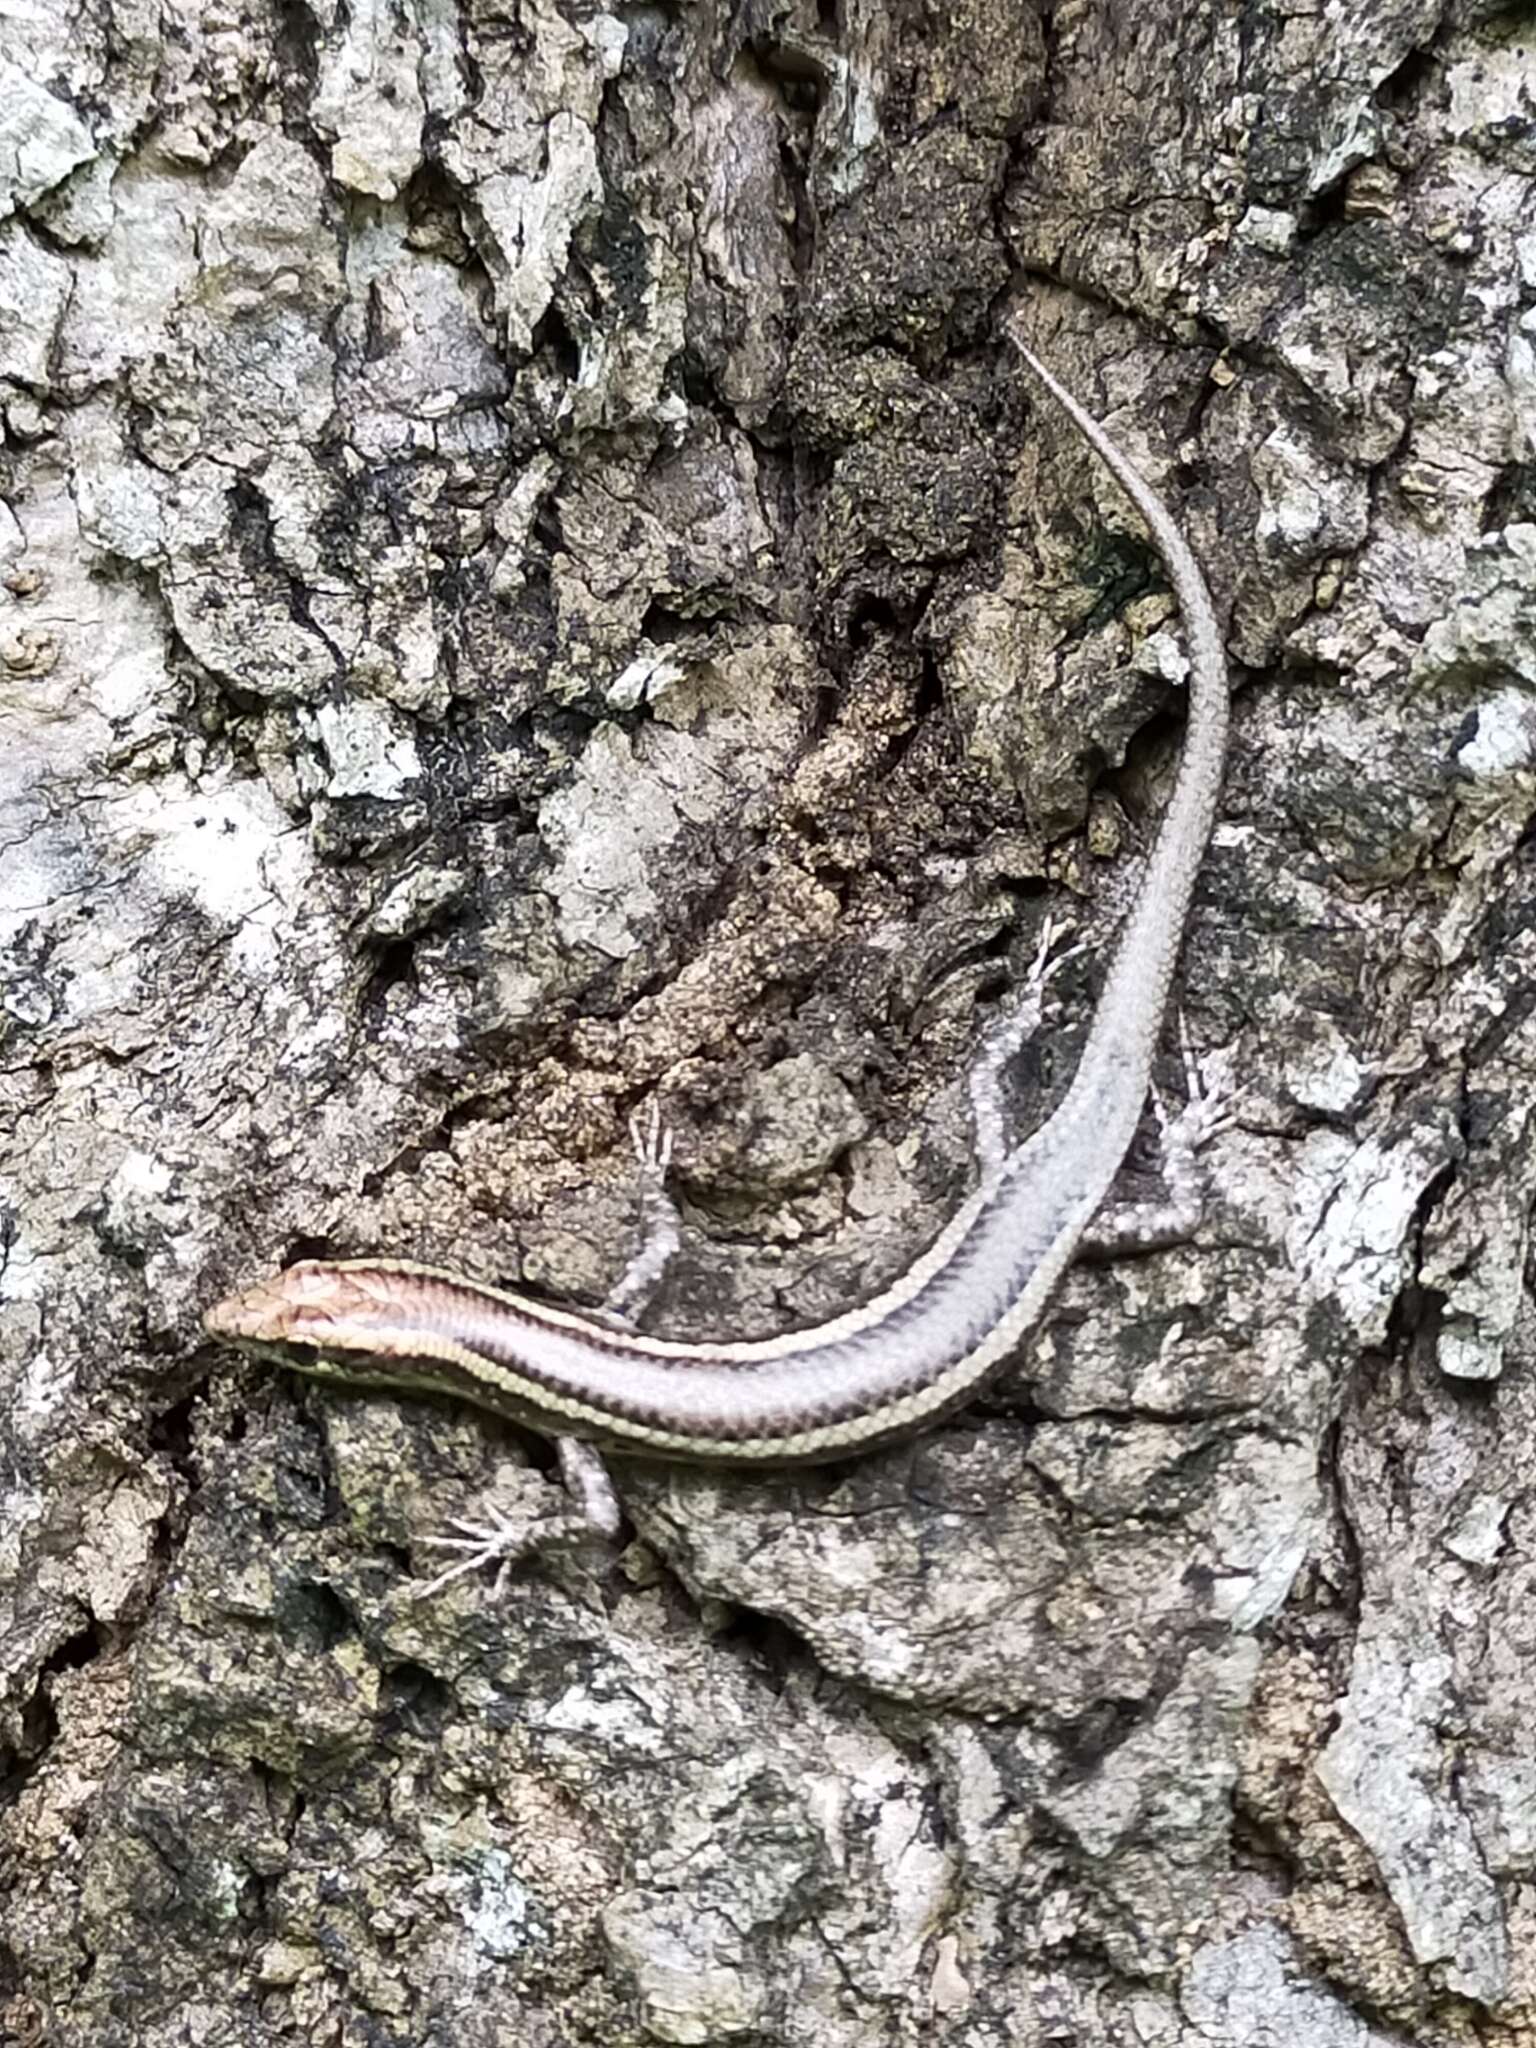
503	1539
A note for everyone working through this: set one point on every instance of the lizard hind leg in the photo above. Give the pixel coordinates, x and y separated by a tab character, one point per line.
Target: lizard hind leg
1125	1227
1017	1020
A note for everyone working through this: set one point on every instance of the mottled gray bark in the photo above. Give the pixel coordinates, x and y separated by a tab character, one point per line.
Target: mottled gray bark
531	584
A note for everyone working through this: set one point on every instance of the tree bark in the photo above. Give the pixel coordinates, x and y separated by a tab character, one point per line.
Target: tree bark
534	584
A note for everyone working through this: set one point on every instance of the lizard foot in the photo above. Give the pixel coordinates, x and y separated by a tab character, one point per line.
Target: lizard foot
504	1538
1126	1227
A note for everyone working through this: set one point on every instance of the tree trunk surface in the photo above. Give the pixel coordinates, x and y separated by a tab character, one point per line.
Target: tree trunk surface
534	585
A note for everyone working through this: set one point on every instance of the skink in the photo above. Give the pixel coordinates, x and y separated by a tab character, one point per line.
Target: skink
883	1370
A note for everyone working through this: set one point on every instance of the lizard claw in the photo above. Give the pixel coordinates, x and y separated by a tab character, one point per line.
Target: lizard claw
1206	1112
500	1540
1043	969
652	1141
